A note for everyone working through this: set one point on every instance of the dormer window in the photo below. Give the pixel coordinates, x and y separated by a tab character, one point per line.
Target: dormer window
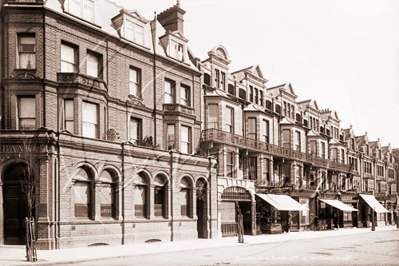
176	50
134	32
81	8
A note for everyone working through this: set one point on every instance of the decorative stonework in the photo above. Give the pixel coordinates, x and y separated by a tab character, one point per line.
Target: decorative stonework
24	75
131	99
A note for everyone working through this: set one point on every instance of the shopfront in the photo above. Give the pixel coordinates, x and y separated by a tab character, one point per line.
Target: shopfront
236	200
328	216
351	199
341	213
369	204
275	213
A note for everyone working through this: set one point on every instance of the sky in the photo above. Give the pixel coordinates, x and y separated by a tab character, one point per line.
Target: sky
342	53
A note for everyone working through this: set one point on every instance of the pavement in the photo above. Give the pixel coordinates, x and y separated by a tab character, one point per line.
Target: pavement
15	255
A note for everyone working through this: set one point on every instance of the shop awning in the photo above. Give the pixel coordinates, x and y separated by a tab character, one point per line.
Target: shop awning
373	203
282	202
339	205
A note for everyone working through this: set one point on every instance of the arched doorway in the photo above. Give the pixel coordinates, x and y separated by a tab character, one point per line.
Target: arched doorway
201	209
234	198
15	205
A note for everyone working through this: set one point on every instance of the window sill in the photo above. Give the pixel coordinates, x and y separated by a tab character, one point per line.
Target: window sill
136	44
87	21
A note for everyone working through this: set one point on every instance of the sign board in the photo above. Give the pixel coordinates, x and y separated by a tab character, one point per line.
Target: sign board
322	205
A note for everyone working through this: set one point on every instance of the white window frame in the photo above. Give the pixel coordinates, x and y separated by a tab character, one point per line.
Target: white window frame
135	131
90	121
185	95
135	82
26	49
68	64
80	9
169	91
185	144
93	67
134	32
68	117
26	112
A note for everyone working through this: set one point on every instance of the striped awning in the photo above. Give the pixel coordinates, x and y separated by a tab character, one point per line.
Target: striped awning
339	205
373	203
282	202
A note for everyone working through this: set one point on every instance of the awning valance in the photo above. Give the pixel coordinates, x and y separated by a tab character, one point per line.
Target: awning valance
282	202
373	203
339	205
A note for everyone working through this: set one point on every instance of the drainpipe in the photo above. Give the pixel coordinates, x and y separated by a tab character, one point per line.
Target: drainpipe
171	193
153	33
210	194
123	193
44	69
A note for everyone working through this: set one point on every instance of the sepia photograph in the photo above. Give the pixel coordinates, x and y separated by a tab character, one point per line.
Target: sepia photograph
204	133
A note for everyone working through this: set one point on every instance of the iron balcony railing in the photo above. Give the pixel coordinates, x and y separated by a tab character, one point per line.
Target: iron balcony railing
249	143
217	135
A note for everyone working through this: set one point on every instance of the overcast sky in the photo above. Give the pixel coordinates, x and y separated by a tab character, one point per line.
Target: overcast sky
342	53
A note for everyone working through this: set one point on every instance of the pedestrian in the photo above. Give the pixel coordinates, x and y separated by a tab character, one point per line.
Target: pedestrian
289	222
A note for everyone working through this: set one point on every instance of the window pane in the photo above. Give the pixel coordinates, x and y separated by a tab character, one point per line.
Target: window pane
106	201
134	130
92	67
89	130
75	7
184	133
88	10
171	136
129	30
213	116
27	123
27	60
69	109
67	53
27	107
140	201
81	199
89	113
184	202
139	34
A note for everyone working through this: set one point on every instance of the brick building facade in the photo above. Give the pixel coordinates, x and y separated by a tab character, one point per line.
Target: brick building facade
135	139
112	104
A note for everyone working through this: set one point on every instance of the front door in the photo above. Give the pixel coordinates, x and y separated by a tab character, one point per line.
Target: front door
15	205
15	211
200	216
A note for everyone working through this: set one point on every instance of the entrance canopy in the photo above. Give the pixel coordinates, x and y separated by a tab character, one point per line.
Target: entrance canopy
282	202
373	203
339	205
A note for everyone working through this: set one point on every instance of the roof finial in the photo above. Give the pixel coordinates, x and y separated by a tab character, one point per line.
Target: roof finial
366	133
351	125
178	3
155	15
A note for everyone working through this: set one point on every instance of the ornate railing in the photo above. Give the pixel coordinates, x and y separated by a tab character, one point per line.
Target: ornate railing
249	143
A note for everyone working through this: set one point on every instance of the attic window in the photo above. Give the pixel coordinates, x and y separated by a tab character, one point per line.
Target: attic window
176	50
81	8
134	32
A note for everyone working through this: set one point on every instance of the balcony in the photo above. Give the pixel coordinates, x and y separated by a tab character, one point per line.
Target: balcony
178	109
80	80
216	135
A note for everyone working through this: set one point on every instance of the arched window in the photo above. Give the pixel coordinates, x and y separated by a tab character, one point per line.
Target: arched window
84	194
140	199
185	197
109	196
159	196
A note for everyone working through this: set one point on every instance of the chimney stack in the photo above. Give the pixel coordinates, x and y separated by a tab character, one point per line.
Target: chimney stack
172	18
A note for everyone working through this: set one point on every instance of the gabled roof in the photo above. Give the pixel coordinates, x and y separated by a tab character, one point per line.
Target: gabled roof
287	88
362	140
253	71
375	145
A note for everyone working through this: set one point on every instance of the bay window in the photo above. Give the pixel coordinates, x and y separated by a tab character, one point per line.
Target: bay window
26	113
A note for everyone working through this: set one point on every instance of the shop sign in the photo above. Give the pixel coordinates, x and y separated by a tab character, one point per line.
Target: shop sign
344	197
322	205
